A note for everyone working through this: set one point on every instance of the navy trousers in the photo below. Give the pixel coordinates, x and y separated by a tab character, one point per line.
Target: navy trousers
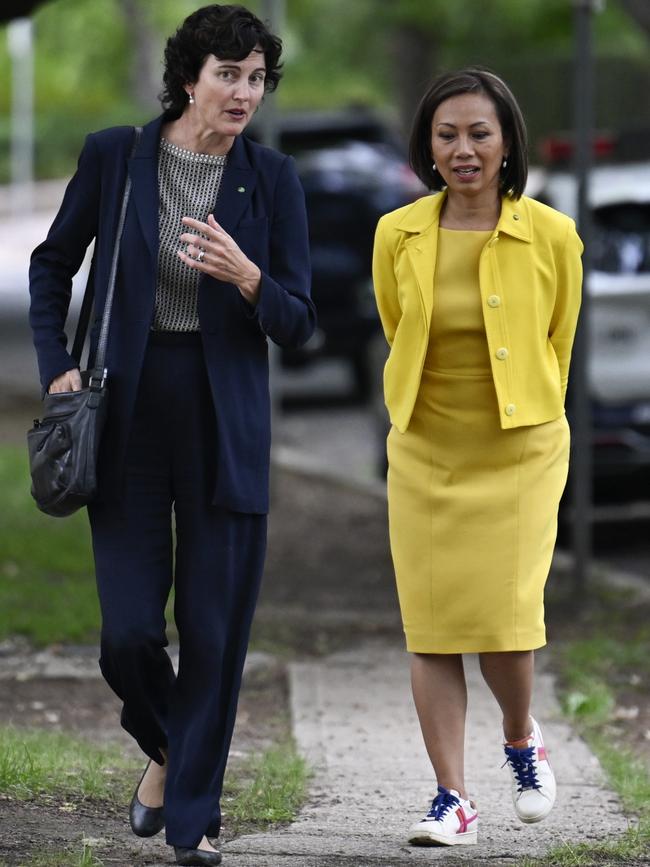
215	565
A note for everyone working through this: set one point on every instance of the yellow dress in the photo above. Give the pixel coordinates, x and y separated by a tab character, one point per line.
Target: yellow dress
472	507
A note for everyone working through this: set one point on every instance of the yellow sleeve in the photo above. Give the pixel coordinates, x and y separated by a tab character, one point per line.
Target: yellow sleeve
383	276
567	302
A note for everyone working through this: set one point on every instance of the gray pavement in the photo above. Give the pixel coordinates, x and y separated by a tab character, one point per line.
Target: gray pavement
355	723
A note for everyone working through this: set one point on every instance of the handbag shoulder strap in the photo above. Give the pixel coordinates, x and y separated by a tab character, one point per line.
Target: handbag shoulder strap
82	323
98	374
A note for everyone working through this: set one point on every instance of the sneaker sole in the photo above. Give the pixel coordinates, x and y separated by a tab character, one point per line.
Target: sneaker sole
531	820
424	838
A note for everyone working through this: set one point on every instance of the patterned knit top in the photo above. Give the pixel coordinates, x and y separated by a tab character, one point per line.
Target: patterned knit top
189	185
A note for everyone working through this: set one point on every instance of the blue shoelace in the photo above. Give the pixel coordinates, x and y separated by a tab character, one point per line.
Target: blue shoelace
522	763
442	802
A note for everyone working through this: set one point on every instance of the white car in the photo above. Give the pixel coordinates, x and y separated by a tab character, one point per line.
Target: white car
619	292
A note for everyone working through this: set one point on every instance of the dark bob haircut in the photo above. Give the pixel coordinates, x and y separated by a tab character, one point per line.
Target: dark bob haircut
228	32
513	127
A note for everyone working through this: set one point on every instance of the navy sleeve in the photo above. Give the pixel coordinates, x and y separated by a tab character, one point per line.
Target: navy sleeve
284	309
55	262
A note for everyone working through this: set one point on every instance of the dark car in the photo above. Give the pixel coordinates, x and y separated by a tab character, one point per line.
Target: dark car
353	170
347	189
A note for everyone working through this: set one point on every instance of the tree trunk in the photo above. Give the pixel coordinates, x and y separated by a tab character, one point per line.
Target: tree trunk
414	54
145	54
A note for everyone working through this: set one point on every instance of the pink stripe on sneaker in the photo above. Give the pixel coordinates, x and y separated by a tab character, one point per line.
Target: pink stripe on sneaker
463	820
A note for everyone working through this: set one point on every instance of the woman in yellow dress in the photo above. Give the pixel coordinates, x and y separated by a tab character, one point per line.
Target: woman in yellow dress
478	289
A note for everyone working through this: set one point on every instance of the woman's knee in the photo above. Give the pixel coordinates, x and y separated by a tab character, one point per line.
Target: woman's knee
128	640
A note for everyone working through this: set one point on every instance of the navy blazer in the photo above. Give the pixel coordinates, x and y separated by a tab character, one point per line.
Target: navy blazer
261	205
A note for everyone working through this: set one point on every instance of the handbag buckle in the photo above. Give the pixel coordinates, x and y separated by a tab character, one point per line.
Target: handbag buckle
97	384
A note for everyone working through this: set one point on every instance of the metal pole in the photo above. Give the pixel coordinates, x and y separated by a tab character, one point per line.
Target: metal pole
581	462
273	13
20	45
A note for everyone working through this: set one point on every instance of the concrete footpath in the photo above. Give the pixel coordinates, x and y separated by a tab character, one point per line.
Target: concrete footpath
355	723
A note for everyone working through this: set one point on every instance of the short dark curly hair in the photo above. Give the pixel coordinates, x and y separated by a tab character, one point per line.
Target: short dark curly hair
228	32
513	127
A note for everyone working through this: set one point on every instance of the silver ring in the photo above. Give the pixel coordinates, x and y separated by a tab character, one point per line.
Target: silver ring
201	255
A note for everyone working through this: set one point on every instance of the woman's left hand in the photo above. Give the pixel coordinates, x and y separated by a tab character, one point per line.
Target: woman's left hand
218	255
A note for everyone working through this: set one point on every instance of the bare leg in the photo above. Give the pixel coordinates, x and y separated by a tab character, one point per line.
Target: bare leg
510	678
206	845
440	694
152	787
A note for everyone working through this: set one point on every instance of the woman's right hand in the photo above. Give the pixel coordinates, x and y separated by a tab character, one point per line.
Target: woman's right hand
68	381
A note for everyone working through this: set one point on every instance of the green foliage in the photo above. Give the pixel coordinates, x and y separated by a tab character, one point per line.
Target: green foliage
80	50
37	763
336	53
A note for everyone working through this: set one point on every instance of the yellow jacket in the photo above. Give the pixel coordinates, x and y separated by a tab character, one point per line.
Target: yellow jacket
530	277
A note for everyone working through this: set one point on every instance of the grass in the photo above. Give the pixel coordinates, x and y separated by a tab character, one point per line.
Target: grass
68	858
260	791
47	575
608	664
267	789
47	587
35	763
628	849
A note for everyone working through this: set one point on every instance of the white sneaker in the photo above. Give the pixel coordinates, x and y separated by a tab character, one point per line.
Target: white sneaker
451	821
533	781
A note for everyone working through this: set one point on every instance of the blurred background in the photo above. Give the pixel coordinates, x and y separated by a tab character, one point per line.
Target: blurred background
353	76
354	72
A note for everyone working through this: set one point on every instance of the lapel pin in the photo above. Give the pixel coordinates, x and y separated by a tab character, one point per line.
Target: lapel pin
241	189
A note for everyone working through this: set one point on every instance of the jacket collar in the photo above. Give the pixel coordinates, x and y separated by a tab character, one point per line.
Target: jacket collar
143	171
421	221
235	191
423	216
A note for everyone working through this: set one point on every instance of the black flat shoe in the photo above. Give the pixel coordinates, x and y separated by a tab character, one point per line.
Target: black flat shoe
196	857
145	821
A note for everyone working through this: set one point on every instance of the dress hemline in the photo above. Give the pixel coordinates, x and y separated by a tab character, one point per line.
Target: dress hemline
440	644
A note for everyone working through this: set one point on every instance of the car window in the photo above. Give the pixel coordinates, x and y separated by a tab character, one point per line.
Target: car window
621	238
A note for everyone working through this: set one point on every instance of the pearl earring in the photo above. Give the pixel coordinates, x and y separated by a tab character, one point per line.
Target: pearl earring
433	166
504	163
191	96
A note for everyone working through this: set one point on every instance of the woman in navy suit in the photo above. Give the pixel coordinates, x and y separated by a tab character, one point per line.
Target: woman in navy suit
214	260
